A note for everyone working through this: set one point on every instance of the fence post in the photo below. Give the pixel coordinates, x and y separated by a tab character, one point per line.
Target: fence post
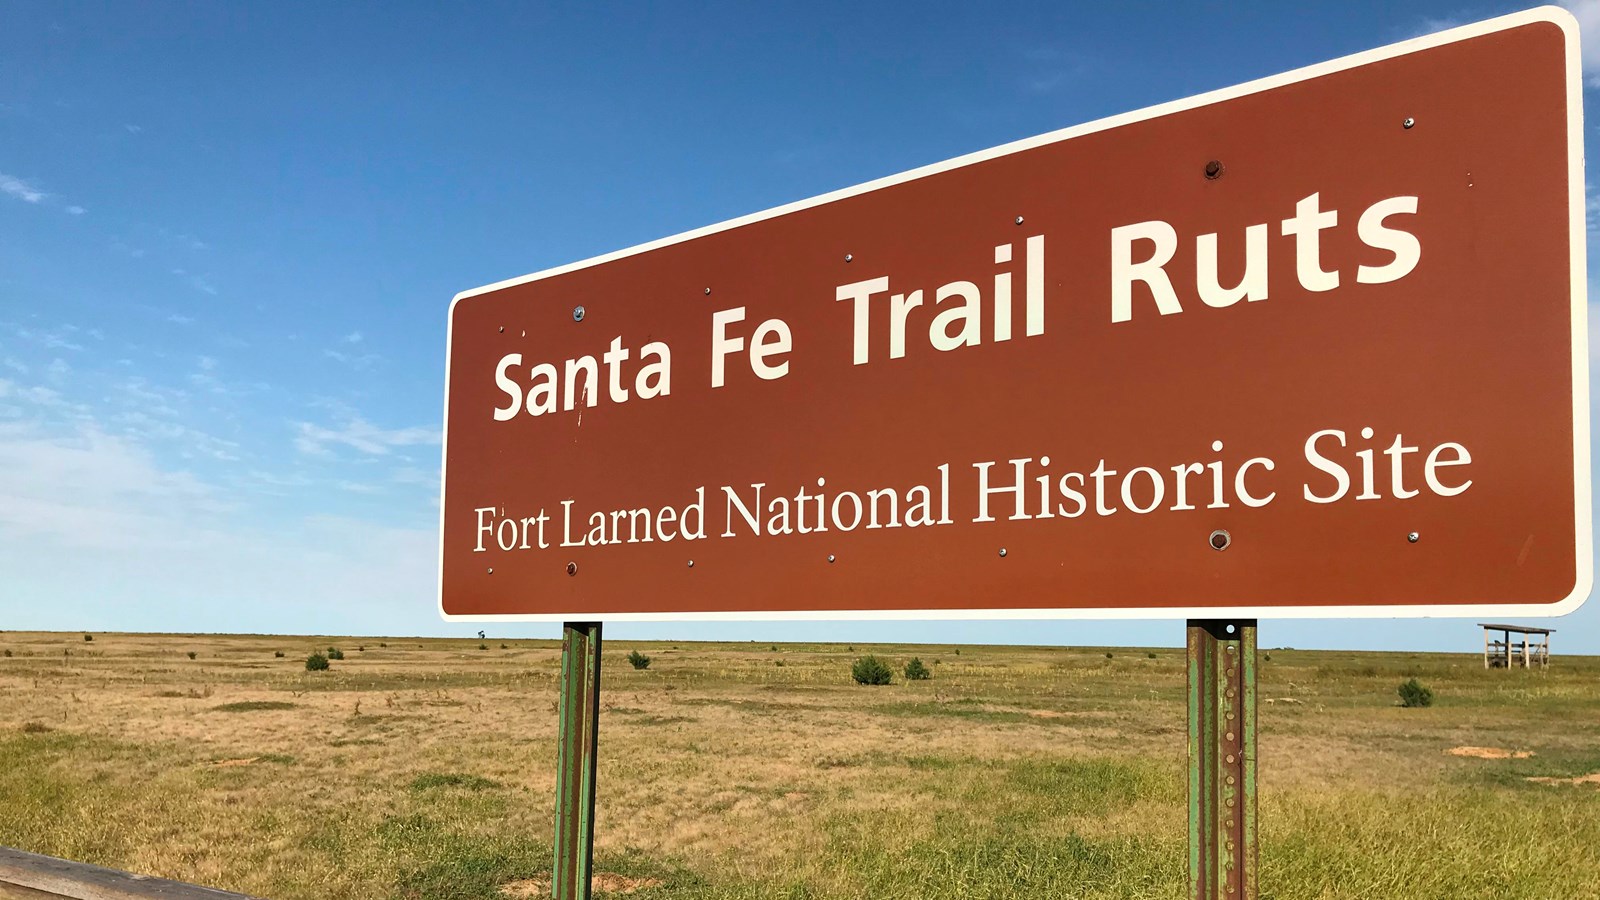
575	771
1222	759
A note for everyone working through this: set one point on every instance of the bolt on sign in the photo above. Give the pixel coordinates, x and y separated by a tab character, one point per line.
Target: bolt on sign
1310	346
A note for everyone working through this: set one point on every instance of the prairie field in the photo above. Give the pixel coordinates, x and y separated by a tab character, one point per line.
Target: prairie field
425	768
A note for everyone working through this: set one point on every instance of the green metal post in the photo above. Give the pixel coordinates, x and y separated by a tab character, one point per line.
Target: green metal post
1222	760
575	788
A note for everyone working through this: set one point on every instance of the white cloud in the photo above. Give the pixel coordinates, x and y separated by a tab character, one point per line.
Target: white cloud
51	340
12	186
76	210
353	360
1587	12
360	435
134	129
177	319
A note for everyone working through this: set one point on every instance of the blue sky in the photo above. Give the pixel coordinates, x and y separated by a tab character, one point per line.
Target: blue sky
229	233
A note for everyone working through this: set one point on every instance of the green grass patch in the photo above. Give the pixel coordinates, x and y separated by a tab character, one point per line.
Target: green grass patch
431	780
254	706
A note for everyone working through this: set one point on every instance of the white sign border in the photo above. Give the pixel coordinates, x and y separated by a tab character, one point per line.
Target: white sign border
1582	505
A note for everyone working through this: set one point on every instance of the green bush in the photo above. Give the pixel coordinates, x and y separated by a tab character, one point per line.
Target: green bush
316	662
871	670
277	654
1108	656
1150	656
483	646
916	671
88	639
8	654
335	653
192	654
1412	693
638	660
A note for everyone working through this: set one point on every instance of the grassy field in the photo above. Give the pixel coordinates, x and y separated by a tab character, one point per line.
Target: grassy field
425	769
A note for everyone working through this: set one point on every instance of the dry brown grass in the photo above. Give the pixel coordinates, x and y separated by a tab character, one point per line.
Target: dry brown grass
1012	772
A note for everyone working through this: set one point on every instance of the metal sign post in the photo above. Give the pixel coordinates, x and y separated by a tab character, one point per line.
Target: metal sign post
1222	759
575	772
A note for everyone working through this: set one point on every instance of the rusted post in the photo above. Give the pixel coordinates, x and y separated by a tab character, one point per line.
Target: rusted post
575	772
1222	760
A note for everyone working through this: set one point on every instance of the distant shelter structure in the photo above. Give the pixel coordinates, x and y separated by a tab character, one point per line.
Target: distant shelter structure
1527	652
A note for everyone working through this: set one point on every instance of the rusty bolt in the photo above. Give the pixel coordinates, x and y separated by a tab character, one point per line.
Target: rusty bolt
1214	169
1220	539
572	568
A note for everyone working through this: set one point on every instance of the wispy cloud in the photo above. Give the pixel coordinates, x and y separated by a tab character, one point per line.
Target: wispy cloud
76	210
1587	12
360	435
179	319
15	187
353	360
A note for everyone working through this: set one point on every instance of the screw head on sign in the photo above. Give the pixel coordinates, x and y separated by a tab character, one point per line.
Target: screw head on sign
691	563
577	314
1019	220
1002	551
1408	122
848	257
572	568
708	292
1214	169
1220	539
830	557
1413	537
491	570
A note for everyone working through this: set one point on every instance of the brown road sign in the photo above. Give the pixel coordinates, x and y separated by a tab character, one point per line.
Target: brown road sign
1315	345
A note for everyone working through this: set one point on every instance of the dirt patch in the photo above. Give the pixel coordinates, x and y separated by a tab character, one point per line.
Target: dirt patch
1046	714
1489	753
1591	778
604	883
230	763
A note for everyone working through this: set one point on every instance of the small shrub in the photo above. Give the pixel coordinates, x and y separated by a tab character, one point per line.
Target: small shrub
277	654
88	639
774	648
8	654
361	648
335	653
638	660
779	663
1266	657
192	654
316	662
1108	656
35	728
1412	693
871	670
483	646
958	651
1149	656
381	644
504	647
916	671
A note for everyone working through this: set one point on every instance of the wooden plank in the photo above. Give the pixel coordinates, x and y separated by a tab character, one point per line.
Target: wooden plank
29	876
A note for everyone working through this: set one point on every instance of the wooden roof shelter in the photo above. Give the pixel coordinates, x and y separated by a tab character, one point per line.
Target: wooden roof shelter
1503	653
